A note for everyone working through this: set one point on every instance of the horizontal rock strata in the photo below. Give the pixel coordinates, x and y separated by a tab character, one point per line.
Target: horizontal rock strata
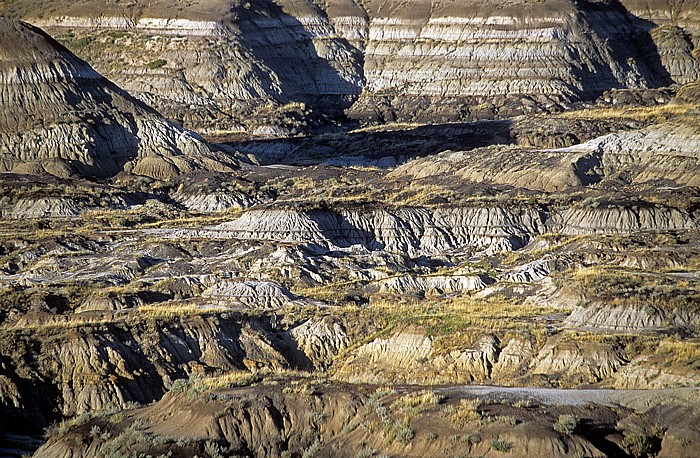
417	60
61	117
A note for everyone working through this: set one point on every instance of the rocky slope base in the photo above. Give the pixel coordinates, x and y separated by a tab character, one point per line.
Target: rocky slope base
49	95
305	418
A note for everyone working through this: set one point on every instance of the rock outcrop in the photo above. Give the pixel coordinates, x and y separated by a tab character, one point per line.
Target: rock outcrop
61	117
676	38
434	54
318	341
404	230
416	231
249	293
659	152
629	319
412	357
97	370
211	67
435	284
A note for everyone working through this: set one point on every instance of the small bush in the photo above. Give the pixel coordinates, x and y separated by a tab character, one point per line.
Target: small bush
214	450
471	439
317	419
158	63
95	431
423	398
179	385
117	418
313	449
501	445
638	445
566	424
403	433
465	413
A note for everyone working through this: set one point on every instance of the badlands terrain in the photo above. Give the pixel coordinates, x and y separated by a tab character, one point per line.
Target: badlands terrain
350	228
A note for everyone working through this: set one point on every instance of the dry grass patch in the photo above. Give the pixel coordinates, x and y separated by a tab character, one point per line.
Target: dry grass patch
627	287
676	352
449	316
419	401
171	311
228	380
657	113
465	413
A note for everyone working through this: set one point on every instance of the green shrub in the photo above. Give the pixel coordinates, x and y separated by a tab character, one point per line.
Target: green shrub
638	445
501	445
179	385
566	424
158	63
403	433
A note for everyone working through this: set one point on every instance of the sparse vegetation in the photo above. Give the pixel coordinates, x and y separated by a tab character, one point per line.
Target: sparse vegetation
419	400
501	445
566	424
365	453
638	445
158	63
313	449
465	413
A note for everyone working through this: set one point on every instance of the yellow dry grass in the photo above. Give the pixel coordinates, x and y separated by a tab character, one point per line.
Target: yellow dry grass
677	352
448	316
465	413
642	114
228	380
418	400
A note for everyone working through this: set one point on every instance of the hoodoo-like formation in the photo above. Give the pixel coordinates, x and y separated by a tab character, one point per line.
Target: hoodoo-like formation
61	117
488	58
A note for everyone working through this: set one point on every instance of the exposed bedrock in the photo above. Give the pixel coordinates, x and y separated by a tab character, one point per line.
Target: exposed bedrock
425	230
93	369
642	318
48	96
408	230
660	152
411	357
411	60
214	68
546	53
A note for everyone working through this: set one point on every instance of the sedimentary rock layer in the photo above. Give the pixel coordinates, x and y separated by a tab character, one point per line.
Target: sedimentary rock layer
660	152
418	231
61	117
205	66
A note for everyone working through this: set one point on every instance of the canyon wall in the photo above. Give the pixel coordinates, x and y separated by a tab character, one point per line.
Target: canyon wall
210	67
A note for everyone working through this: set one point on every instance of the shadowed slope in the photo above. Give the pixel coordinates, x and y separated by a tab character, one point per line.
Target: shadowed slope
61	117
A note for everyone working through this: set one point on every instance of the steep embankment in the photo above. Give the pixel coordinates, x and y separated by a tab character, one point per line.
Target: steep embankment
429	231
103	361
212	64
61	117
321	419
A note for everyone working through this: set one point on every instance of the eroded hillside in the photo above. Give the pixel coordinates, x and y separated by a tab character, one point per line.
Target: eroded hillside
504	260
288	67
